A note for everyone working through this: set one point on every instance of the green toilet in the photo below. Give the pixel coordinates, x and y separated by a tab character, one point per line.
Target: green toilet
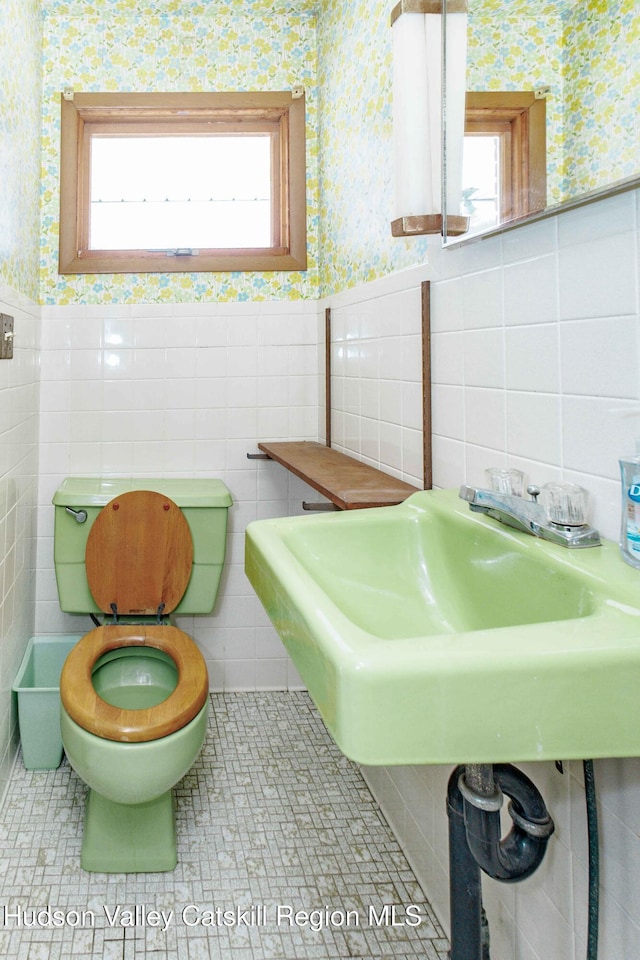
134	690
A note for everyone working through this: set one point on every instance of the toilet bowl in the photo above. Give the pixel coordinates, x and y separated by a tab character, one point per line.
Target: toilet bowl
134	683
134	690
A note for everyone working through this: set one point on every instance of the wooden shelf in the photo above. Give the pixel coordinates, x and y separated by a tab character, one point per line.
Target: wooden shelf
348	483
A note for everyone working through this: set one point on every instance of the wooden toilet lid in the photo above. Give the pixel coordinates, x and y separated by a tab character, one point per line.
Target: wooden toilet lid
139	554
100	718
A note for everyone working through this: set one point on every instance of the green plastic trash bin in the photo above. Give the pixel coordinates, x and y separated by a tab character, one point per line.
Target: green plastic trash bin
37	686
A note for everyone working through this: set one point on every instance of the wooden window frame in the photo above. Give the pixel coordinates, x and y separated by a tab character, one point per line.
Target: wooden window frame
519	119
281	114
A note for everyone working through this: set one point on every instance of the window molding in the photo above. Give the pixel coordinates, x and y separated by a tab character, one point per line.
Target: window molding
282	112
519	118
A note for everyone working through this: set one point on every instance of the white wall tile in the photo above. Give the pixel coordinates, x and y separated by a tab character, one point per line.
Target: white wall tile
447	306
390	445
412	358
390	405
369	358
536	240
597	220
391	358
370	398
483	299
412	401
485	417
477	458
447	411
619	782
532	358
412	456
530	291
484	358
447	359
370	440
585	345
377	384
599	279
183	390
533	426
597	431
19	402
448	459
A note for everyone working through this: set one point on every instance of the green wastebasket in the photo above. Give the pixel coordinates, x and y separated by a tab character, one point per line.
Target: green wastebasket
37	687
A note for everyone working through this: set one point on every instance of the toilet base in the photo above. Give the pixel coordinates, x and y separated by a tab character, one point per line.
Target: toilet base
129	838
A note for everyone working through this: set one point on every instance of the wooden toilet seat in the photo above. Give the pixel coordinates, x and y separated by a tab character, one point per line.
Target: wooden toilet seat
138	559
139	554
94	715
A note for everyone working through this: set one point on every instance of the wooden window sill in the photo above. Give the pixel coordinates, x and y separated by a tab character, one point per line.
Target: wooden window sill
346	482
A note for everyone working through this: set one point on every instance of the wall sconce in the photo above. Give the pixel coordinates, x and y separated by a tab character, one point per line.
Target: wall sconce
417	32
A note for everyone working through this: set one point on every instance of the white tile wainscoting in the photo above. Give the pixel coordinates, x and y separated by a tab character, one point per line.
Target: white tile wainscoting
183	390
19	411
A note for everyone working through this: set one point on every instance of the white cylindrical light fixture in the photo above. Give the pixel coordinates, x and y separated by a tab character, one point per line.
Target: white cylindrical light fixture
417	99
417	115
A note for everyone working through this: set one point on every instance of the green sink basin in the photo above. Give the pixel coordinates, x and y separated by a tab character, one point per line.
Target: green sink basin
429	634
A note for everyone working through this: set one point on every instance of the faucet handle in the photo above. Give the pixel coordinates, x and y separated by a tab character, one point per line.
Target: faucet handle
505	480
565	504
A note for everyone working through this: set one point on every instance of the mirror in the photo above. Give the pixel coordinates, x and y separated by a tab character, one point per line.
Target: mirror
576	63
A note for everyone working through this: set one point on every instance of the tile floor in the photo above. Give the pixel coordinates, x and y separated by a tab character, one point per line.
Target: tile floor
283	853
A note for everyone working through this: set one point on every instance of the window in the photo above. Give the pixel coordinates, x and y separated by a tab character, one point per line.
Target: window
156	183
504	163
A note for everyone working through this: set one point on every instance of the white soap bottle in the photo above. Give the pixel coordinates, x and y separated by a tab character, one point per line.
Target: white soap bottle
630	527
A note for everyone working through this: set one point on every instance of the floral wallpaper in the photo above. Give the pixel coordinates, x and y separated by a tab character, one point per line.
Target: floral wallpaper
178	8
356	134
521	49
580	48
341	51
20	145
126	45
576	47
602	92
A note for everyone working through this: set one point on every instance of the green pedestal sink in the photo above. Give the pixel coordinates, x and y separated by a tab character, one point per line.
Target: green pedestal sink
429	634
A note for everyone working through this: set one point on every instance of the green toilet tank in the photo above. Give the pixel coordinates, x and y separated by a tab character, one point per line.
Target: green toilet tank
79	500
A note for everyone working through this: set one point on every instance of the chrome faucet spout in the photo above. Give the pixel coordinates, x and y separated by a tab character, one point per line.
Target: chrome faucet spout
528	516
